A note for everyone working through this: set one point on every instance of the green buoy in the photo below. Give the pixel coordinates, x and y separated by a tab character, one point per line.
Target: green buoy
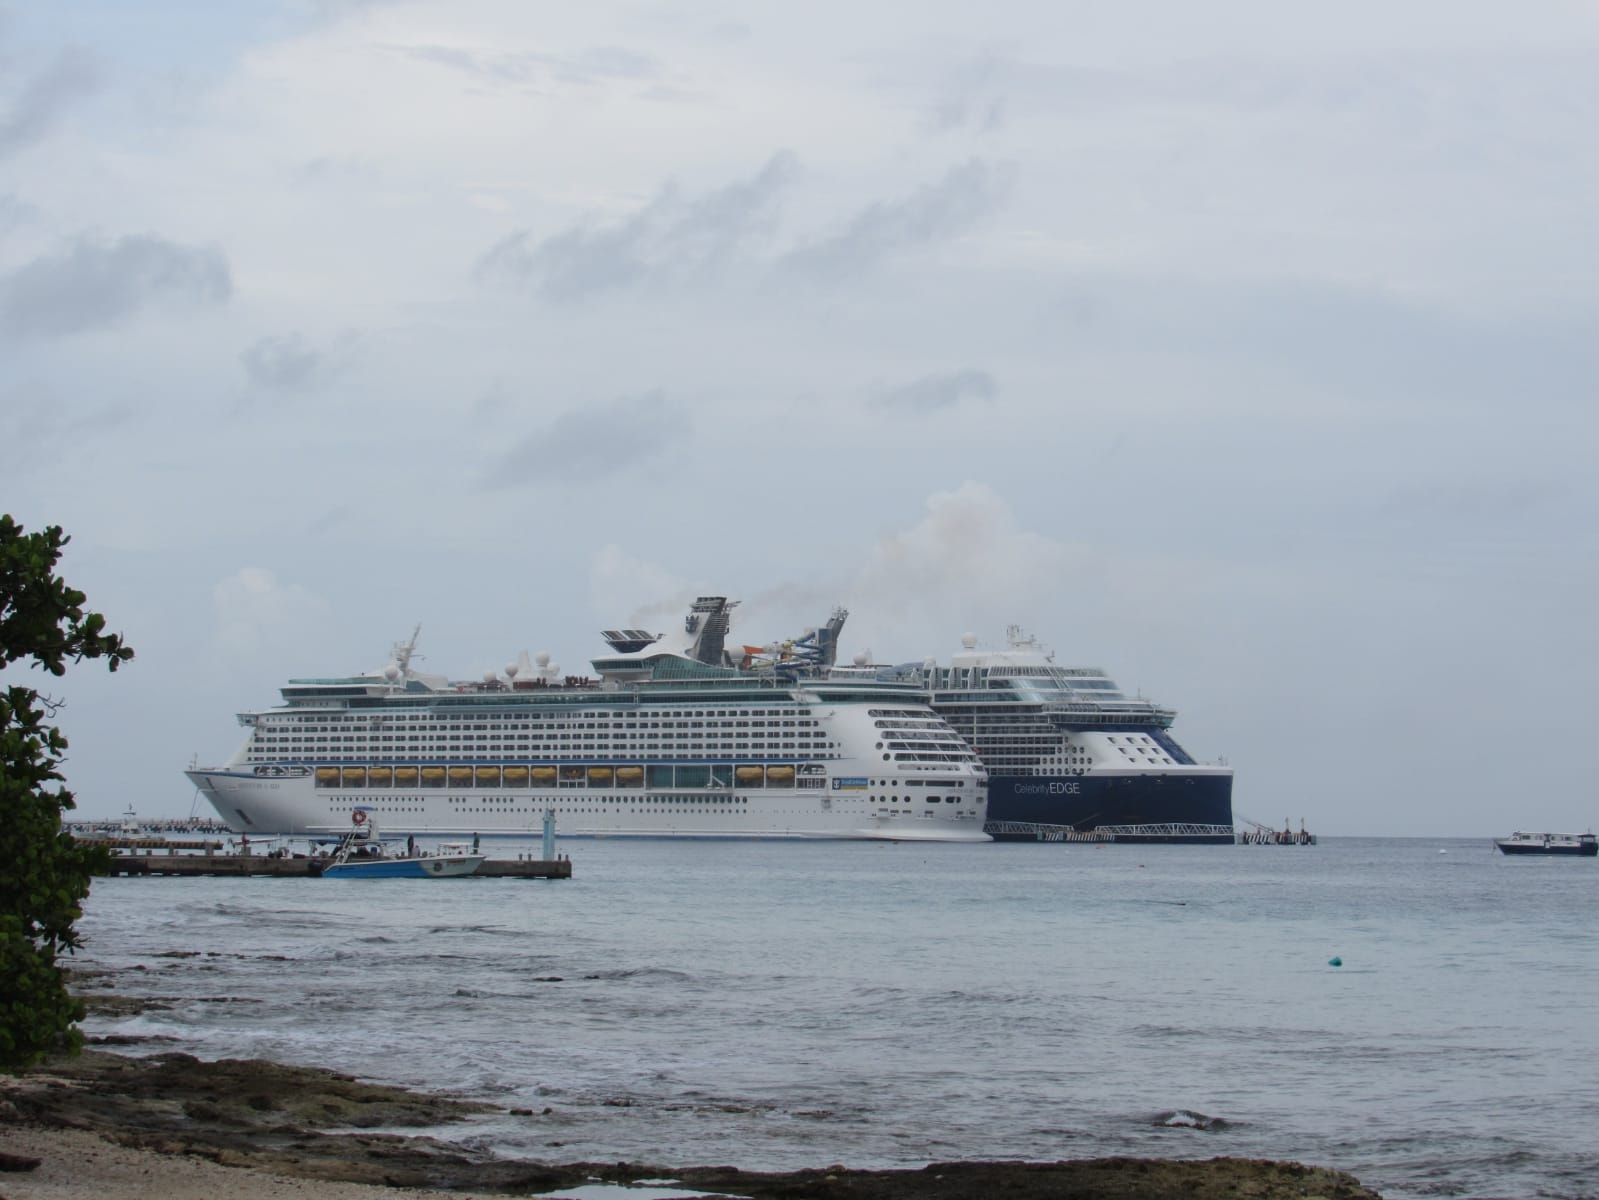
1335	961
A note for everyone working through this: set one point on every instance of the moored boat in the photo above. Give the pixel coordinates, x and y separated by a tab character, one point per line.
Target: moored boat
1582	845
362	854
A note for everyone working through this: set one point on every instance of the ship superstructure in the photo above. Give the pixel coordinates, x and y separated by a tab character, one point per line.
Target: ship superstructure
673	739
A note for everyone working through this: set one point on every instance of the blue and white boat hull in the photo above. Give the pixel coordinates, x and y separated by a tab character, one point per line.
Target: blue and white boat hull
437	867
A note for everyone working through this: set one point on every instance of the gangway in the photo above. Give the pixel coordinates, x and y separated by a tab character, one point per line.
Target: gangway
1173	831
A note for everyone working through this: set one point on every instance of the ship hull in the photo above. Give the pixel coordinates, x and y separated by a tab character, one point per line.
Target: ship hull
1029	807
403	868
253	804
1567	850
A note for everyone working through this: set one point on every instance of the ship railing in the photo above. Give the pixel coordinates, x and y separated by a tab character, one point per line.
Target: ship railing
1045	833
1139	715
1168	829
1173	831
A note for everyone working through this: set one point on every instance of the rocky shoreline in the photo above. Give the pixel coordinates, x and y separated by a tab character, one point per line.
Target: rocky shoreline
316	1125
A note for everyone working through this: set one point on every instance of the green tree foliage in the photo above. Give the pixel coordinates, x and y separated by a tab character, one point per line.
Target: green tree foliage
44	873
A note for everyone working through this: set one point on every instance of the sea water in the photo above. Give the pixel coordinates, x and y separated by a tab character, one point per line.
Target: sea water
775	1005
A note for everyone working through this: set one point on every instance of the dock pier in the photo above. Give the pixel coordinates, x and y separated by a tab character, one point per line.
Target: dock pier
194	865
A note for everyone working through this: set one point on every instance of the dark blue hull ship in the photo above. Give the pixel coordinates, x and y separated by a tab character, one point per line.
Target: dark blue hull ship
1070	757
1170	807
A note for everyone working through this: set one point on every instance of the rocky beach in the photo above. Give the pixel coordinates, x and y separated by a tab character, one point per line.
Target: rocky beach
105	1125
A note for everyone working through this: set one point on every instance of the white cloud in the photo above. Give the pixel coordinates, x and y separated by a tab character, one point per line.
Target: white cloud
967	564
257	616
636	592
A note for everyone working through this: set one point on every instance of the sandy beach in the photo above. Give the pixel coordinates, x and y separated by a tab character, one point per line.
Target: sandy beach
76	1164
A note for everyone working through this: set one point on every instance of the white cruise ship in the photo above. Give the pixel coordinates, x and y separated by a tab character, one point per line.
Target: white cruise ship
672	740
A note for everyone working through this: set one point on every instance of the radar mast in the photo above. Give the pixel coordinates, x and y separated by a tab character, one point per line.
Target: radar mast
403	652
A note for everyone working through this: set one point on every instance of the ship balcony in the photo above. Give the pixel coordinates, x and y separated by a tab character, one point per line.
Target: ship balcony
1103	714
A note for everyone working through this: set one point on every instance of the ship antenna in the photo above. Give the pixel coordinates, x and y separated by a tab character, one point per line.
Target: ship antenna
403	651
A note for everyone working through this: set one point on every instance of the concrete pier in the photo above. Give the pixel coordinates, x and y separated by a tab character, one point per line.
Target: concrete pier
165	845
150	863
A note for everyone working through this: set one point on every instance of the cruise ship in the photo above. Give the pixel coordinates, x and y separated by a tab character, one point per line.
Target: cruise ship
1070	756
675	738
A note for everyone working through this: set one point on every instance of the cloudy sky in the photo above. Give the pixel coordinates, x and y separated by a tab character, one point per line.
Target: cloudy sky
1247	350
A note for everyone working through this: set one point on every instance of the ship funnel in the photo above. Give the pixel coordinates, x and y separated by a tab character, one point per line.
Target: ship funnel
827	637
709	622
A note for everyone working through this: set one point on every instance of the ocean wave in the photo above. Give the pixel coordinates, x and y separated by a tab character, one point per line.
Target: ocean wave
1184	1118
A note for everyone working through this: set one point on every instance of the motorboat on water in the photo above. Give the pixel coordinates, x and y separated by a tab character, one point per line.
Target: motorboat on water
1584	845
362	854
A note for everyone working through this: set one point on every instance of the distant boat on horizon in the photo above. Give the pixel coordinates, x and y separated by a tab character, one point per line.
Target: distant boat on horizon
1583	845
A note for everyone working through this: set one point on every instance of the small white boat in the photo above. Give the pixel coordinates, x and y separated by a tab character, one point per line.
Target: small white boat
362	854
1584	845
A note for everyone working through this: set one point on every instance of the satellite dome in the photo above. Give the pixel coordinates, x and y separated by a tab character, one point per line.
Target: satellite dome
861	659
510	671
542	658
969	640
488	676
391	672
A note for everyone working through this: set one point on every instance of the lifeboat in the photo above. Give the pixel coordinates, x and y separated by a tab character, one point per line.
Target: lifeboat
515	776
543	776
432	776
601	775
784	775
380	776
327	777
406	776
750	775
353	777
488	777
460	776
630	776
